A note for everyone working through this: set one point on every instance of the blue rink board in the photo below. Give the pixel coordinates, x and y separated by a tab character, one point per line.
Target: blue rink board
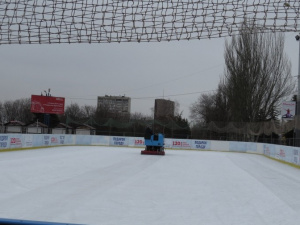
29	222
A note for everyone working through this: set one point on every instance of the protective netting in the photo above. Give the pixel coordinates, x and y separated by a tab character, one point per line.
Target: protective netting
104	21
256	128
268	128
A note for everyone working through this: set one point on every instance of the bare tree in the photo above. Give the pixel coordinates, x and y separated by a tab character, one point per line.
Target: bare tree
139	116
257	75
10	111
88	110
74	111
103	112
256	79
210	107
200	109
17	110
25	114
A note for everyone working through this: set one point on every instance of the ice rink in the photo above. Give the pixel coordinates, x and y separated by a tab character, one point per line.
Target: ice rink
118	186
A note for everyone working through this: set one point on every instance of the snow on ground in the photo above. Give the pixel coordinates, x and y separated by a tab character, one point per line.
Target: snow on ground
118	186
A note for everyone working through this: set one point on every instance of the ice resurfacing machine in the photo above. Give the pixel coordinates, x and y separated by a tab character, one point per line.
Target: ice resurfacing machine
154	143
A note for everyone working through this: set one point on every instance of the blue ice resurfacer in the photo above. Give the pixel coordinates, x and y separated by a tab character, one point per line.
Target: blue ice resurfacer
154	144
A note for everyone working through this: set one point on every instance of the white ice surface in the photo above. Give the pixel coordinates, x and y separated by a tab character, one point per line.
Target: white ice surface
118	186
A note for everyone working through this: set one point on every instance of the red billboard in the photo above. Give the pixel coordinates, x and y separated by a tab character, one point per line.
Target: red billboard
47	104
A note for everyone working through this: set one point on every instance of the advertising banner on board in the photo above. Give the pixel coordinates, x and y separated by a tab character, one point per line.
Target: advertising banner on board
4	143
119	141
288	110
136	141
201	144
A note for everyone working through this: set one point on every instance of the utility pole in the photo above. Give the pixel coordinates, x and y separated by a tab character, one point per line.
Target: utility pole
46	115
298	99
2	124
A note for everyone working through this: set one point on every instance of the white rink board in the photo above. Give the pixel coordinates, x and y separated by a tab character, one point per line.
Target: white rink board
285	153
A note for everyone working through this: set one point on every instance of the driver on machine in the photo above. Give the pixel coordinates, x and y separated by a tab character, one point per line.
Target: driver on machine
148	133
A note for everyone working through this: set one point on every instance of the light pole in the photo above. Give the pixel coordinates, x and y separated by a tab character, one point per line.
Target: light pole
298	97
2	125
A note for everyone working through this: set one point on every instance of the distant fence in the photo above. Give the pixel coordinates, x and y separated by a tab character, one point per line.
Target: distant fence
285	153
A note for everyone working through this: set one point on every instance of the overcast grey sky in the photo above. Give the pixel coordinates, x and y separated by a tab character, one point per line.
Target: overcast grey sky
142	71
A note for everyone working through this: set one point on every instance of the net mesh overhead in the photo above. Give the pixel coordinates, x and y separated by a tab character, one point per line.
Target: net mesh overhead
105	21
